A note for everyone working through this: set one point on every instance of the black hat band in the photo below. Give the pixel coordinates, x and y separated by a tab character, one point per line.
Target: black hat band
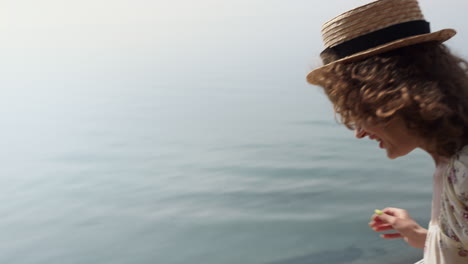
377	38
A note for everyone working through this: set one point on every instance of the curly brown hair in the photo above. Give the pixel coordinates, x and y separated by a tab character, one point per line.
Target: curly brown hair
425	84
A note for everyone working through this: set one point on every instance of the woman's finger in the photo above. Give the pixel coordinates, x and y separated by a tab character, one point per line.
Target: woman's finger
374	217
376	222
398	212
382	228
386	218
391	236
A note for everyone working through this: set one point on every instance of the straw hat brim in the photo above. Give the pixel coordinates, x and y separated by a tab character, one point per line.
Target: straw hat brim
314	76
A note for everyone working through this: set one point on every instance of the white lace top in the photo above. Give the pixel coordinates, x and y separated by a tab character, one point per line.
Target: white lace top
447	238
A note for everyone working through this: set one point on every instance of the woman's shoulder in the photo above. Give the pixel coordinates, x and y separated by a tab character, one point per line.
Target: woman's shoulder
461	157
458	174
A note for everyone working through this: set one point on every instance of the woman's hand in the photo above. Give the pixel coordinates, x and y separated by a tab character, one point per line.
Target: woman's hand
399	220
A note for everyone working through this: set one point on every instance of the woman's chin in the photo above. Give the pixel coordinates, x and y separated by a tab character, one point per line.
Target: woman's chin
392	154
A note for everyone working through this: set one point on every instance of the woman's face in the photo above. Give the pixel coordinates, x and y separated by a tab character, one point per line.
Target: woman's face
394	137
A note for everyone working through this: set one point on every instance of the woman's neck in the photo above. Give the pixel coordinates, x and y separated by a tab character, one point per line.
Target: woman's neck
439	160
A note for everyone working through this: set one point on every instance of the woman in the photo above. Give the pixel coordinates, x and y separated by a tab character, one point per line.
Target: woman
392	80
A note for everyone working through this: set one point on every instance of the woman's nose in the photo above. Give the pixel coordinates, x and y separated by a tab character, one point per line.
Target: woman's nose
359	132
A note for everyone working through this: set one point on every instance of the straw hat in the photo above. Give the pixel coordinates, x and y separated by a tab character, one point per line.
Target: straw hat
374	28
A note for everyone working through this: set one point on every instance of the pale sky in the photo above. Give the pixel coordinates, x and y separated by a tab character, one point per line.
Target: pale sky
121	24
73	41
164	17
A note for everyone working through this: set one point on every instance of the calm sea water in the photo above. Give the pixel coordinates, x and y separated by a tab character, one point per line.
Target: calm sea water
186	136
211	176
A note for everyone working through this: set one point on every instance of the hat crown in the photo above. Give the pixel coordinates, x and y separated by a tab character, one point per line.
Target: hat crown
369	18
